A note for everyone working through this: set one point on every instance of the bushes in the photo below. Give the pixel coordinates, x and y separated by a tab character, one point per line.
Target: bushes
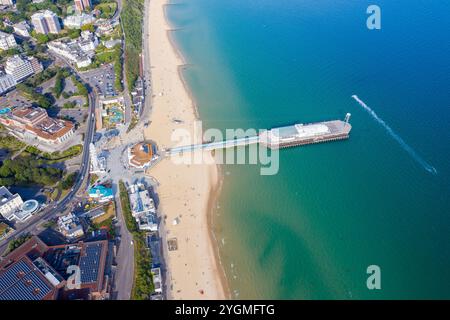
71	152
11	143
69	181
59	85
107	9
41	77
44	101
81	88
126	208
132	19
27	171
70	105
14	244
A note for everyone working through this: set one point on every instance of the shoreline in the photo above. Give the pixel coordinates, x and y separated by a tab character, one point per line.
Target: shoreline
184	188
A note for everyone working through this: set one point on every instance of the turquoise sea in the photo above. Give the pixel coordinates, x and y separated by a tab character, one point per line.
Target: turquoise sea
311	231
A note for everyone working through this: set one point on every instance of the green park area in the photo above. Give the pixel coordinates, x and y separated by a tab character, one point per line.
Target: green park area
132	20
107	9
32	167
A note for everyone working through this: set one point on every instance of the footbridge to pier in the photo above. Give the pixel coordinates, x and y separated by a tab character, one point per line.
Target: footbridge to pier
208	146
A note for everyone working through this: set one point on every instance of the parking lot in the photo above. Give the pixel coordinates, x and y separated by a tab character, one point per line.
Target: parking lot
102	79
13	99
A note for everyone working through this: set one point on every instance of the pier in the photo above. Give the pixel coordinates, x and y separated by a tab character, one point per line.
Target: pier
283	137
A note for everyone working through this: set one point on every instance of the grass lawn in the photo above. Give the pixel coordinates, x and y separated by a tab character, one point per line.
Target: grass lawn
110	212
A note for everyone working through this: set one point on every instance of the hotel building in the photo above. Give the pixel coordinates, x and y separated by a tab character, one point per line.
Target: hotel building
9	203
46	22
82	5
34	123
7	41
22	29
7	2
21	68
6	82
36	271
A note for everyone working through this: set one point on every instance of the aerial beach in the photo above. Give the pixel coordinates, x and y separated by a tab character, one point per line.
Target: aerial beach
184	190
194	150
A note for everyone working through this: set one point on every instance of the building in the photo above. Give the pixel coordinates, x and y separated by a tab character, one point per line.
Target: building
141	154
7	2
97	164
46	22
82	5
35	271
9	203
22	29
88	42
137	96
69	225
154	244
111	112
21	67
101	193
71	51
104	27
35	124
143	208
7	41
24	275
25	211
157	280
79	51
91	258
7	82
78	20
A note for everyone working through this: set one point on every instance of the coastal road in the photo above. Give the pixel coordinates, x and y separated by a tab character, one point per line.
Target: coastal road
52	211
124	276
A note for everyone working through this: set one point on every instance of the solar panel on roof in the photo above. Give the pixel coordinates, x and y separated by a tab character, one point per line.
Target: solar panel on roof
11	275
28	287
89	263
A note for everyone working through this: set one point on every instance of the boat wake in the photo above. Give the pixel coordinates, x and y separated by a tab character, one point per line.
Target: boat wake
396	137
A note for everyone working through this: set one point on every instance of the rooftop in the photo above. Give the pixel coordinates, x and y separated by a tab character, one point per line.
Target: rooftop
24	281
141	153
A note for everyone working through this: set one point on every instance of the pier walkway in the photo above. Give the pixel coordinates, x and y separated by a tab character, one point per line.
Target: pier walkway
238	142
290	136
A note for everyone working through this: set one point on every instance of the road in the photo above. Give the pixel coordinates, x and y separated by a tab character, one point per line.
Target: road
51	212
124	276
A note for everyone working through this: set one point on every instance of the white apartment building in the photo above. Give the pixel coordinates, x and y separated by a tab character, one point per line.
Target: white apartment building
143	207
82	5
6	82
69	225
22	29
7	41
71	51
78	20
7	2
9	203
22	67
46	22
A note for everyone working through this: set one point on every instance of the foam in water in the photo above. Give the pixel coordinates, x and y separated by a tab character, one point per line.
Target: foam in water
396	137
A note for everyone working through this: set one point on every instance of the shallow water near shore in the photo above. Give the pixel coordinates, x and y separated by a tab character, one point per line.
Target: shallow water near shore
311	231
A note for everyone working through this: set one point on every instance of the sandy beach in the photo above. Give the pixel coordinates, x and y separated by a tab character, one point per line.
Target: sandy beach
184	191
